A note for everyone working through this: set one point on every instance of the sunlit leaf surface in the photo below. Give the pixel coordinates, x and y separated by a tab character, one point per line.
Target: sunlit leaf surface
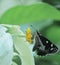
29	13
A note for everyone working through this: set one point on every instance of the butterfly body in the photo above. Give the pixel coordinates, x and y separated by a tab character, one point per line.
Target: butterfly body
43	46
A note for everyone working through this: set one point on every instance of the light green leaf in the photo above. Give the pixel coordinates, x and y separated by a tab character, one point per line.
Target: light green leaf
6	4
22	14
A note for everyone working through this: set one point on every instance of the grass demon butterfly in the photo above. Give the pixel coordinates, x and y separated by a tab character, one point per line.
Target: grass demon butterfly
43	46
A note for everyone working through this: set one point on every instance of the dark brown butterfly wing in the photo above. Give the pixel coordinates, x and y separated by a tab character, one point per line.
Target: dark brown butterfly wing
49	46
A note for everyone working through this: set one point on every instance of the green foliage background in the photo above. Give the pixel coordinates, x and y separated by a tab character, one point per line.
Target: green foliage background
41	15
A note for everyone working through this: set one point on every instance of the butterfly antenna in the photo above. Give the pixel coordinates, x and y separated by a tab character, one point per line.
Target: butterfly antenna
33	27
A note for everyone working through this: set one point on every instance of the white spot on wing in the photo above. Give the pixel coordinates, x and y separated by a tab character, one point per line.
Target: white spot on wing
51	49
46	41
51	45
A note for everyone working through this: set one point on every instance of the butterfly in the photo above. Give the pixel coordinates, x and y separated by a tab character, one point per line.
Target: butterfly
43	46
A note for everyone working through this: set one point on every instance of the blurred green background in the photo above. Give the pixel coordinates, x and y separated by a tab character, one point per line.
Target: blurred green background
44	15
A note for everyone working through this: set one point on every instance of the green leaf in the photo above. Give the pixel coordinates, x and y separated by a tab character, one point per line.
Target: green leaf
17	60
53	33
30	13
49	59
